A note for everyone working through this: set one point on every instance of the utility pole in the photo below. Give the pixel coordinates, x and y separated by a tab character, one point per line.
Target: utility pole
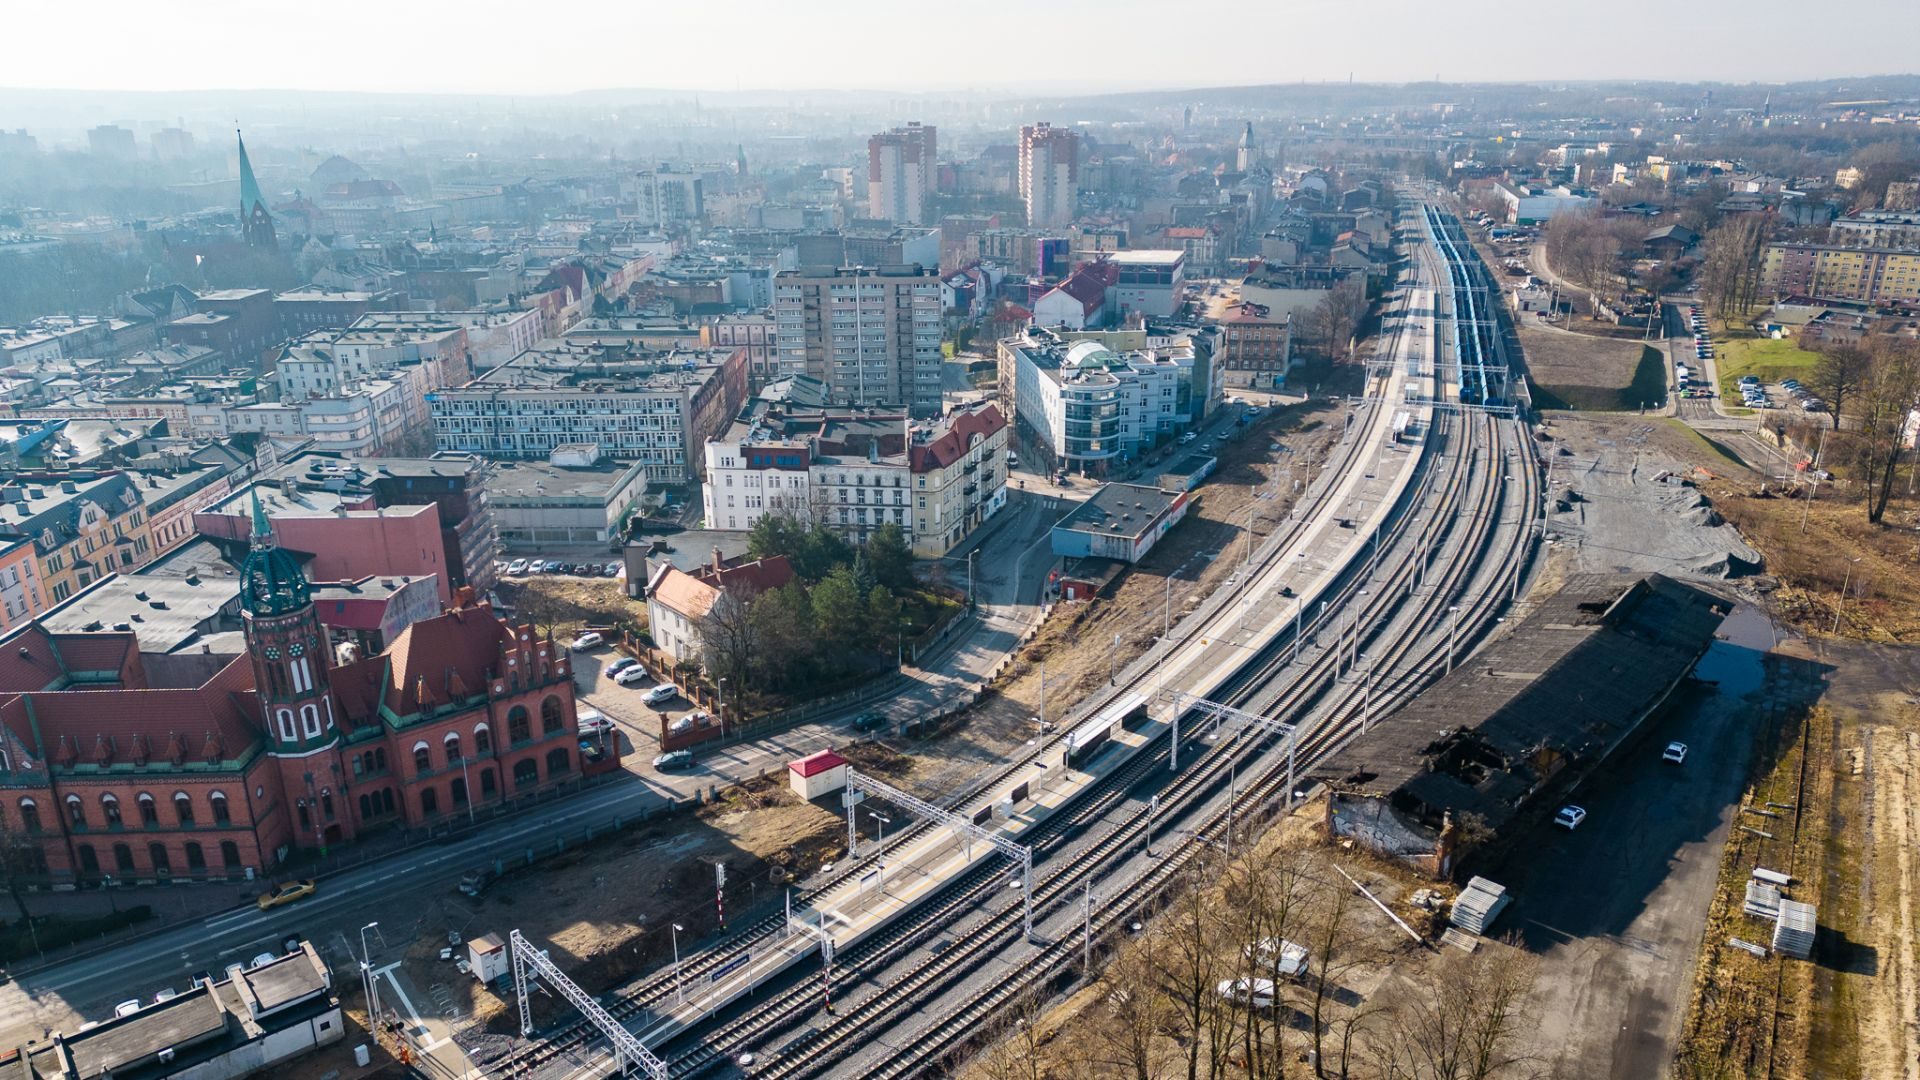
1043	693
1113	660
1453	631
1086	922
679	988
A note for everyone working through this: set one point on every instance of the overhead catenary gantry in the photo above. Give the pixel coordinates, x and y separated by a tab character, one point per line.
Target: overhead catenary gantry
1184	703
968	830
626	1048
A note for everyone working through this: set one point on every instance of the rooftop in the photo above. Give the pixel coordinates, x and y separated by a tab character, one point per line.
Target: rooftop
164	611
521	481
1119	510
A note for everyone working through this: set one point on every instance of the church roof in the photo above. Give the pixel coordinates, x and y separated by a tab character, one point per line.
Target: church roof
443	661
249	187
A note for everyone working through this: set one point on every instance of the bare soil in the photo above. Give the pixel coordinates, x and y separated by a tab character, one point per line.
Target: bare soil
1077	644
1557	357
566	604
1816	549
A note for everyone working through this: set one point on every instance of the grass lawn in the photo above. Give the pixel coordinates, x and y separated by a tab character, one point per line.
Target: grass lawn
1741	352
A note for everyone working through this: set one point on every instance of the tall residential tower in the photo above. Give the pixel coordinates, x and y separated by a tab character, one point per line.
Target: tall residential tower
902	171
1049	174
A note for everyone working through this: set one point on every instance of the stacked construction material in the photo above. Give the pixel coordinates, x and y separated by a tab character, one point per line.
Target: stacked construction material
1793	930
1480	904
1763	900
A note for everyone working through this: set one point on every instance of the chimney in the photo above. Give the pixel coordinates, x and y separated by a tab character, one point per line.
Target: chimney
719	563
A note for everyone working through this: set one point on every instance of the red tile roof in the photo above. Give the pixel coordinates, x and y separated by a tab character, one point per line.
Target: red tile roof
442	660
951	446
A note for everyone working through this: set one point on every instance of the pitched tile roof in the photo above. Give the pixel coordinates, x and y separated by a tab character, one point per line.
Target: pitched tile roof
951	446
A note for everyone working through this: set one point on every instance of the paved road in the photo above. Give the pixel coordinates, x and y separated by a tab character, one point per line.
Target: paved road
1617	909
1009	573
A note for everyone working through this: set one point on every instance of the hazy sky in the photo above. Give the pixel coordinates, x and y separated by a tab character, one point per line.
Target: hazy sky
530	46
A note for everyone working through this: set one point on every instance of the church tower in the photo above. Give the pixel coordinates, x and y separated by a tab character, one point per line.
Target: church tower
289	651
1247	154
256	223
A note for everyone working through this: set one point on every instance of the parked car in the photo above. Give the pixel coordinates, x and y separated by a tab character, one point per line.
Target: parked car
618	666
673	759
661	693
869	721
586	641
1570	817
517	567
1676	752
165	993
593	722
633	676
1252	993
1278	954
127	1008
612	569
286	894
476	881
263	959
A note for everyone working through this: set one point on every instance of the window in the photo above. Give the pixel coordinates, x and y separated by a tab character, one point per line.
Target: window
552	716
149	814
123	858
29	816
452	747
429	802
183	808
326	803
380	760
558	763
366	808
459	792
519	729
422	761
526	774
230	854
89	861
76	813
196	858
284	719
162	863
220	815
487	787
306	817
386	800
482	739
310	720
110	807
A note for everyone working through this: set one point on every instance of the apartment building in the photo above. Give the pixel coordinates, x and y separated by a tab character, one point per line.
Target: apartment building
902	171
1877	229
1829	272
653	408
1049	174
83	526
1091	407
753	333
1255	346
670	198
856	470
872	336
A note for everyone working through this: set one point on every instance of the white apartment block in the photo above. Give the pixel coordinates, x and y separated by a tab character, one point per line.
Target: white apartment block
901	174
872	336
1049	174
1092	407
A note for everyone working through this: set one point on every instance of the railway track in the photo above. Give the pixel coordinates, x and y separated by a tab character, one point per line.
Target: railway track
633	1002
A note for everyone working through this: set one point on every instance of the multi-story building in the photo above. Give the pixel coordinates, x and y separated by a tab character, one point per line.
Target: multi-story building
752	333
83	525
21	598
1827	272
1091	408
871	336
1152	282
239	323
670	198
111	141
678	601
493	337
655	409
116	763
1049	174
855	470
1255	346
902	171
577	496
1877	229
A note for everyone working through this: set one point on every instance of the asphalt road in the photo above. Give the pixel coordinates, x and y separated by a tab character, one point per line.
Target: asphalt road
1616	910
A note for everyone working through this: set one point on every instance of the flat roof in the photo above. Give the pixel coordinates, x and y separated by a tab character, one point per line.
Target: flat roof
124	1040
539	480
1119	510
293	977
1146	255
164	611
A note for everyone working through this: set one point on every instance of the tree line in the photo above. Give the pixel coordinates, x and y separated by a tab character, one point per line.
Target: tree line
840	615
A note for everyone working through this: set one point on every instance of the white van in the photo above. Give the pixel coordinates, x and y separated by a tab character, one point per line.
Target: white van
1252	993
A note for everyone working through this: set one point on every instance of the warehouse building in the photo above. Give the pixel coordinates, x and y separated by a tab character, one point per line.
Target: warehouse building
1121	521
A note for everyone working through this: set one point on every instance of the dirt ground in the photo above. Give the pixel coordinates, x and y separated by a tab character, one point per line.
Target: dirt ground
604	908
1076	642
567	603
1557	357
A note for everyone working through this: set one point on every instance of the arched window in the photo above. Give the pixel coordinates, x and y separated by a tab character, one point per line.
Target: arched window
422	759
487	786
459	791
230	854
526	774
29	816
326	803
552	716
6	763
196	858
162	862
284	718
76	812
559	762
380	759
110	806
123	858
310	721
366	808
429	802
482	739
519	729
220	815
89	860
149	813
452	747
183	808
386	800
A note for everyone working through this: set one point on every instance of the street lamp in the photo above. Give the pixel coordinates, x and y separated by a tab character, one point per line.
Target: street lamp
1845	580
1453	632
372	984
720	704
882	855
1113	659
679	988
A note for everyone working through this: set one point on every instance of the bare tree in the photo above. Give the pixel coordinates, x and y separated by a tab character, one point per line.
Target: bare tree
1730	278
1331	322
1887	396
1838	372
1191	970
728	634
1462	1022
1122	1038
1015	1050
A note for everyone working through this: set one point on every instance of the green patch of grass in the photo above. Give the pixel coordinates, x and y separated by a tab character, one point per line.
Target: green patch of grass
1647	389
1711	452
1739	352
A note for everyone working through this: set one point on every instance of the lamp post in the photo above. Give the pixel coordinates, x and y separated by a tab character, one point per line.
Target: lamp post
720	704
372	984
1453	631
884	822
1845	580
679	988
1113	659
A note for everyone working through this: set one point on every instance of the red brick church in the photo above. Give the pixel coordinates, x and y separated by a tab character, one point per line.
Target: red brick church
145	768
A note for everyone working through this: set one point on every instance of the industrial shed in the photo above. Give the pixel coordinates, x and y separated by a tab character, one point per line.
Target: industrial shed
1572	682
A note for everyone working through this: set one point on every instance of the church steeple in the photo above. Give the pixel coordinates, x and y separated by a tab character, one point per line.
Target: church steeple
271	580
256	222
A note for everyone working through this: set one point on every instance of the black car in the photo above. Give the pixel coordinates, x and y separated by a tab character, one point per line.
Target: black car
869	721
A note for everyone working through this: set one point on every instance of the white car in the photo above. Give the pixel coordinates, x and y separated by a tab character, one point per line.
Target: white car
664	692
631	675
1253	993
1676	752
586	641
517	567
127	1008
593	722
1570	817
